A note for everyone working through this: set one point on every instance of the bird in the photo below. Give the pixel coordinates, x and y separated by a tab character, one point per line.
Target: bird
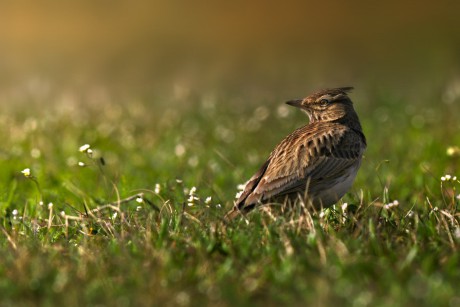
317	163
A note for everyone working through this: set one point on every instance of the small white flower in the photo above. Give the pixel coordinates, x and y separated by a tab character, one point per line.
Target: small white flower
453	151
62	213
448	177
192	190
114	216
84	148
344	206
41	203
179	150
208	200
140	200
322	214
157	188
81	164
50	206
238	194
394	203
179	180
190	204
26	172
138	208
219	206
15	212
89	151
190	199
458	197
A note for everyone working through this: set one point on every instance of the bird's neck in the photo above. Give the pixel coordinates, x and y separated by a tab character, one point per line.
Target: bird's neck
351	120
345	117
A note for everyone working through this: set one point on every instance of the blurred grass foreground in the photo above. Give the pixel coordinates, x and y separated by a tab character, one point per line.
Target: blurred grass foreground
127	128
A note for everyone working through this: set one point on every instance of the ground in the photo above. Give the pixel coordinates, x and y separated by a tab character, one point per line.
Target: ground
134	217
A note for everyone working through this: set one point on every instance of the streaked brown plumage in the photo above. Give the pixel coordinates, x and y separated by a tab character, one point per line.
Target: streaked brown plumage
319	161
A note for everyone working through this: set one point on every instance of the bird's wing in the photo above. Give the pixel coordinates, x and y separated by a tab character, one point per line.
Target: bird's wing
311	153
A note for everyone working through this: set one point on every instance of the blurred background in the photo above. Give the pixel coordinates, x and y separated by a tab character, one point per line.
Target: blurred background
184	100
254	51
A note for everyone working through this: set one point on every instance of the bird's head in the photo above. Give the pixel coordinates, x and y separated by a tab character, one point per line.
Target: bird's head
325	105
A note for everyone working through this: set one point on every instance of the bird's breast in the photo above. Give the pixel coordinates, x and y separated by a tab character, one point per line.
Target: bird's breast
334	190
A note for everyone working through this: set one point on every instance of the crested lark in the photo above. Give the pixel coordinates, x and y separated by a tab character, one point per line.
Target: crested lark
317	162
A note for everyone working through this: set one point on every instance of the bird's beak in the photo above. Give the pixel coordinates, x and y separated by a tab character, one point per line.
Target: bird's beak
295	103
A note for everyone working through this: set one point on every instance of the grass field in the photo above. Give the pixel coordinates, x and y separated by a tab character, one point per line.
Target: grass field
135	219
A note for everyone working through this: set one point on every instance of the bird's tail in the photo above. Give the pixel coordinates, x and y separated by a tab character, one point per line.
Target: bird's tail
238	210
233	213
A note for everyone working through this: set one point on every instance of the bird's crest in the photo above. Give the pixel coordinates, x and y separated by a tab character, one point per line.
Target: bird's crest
332	91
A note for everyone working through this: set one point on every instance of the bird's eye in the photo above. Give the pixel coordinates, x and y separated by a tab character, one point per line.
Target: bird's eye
324	102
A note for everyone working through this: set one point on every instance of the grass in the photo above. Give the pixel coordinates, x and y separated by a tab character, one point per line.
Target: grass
74	231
